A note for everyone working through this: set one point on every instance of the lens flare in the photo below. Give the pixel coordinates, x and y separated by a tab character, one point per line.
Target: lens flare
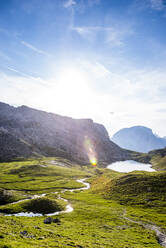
93	161
89	147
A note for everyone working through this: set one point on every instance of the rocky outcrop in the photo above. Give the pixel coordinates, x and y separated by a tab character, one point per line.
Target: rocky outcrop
27	132
138	138
12	147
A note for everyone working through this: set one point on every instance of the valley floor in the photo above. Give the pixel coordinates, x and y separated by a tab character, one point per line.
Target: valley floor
98	221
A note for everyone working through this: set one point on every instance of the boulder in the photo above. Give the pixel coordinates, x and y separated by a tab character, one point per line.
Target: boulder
48	220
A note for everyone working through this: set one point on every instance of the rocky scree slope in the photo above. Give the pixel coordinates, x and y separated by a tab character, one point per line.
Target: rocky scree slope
25	132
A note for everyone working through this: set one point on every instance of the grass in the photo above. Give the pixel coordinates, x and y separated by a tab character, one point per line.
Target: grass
96	222
34	176
42	205
135	188
8	196
98	217
158	162
156	157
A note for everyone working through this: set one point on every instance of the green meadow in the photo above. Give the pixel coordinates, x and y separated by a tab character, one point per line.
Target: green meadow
99	219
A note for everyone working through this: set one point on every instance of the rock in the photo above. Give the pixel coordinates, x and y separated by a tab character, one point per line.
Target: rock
24	233
48	220
56	220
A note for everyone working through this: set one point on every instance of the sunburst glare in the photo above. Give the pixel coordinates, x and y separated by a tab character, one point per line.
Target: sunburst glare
89	147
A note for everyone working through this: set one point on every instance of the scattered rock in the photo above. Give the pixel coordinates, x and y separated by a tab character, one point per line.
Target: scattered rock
24	233
56	220
48	220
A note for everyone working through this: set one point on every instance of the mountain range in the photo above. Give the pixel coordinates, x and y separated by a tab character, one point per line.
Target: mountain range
138	138
26	132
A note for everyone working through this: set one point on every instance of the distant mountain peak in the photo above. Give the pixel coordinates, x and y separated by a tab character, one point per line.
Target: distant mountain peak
138	138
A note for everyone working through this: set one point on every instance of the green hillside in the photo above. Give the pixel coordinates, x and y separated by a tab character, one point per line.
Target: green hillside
102	217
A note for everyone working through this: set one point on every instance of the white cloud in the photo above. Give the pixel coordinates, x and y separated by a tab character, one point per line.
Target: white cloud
69	3
26	44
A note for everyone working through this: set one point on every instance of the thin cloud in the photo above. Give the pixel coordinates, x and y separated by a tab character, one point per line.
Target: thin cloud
26	44
18	72
112	36
157	4
88	33
27	76
69	3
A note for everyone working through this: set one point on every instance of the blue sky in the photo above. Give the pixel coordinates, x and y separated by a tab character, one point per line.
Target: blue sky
99	59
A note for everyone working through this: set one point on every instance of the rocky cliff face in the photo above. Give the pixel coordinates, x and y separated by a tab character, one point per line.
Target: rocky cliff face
27	132
13	147
138	138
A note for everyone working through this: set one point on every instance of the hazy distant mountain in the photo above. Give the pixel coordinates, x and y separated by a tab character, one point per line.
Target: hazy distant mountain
138	138
26	132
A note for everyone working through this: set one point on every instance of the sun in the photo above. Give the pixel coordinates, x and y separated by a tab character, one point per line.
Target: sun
71	89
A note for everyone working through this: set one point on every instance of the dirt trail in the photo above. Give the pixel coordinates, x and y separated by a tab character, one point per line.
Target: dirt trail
161	237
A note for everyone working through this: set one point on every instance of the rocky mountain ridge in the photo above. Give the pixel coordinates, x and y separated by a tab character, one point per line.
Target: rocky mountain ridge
138	138
26	132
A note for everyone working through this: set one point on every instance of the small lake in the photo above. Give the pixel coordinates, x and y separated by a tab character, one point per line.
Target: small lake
130	165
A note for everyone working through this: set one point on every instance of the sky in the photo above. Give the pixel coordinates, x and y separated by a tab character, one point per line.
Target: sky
98	59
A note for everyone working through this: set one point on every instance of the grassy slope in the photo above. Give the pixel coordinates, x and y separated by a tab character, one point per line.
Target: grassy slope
156	157
96	221
43	205
142	194
31	177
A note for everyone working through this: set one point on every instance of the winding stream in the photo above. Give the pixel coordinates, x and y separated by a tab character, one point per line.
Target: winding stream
68	208
161	237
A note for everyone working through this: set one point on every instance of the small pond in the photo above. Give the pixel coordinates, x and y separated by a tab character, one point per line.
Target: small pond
130	165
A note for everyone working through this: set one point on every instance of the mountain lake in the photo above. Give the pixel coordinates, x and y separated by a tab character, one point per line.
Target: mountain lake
130	165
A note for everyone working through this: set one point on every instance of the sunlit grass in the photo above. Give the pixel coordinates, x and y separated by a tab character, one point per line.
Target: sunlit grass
98	217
